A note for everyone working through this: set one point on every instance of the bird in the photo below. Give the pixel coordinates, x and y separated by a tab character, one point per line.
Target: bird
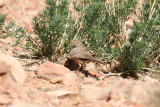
79	54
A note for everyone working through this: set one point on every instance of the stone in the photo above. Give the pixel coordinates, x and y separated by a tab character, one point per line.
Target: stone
13	67
50	68
146	94
56	73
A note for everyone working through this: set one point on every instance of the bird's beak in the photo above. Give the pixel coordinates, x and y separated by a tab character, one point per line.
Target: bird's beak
72	42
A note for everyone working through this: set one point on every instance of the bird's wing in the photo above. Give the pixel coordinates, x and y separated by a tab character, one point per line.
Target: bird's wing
76	51
82	56
80	53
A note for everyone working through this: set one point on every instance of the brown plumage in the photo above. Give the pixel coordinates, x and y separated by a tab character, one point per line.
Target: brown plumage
79	54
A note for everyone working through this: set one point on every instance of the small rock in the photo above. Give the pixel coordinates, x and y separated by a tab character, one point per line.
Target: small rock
12	66
13	76
133	92
56	73
50	68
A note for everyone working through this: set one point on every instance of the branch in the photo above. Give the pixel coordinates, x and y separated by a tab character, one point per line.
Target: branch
151	12
38	5
17	21
26	16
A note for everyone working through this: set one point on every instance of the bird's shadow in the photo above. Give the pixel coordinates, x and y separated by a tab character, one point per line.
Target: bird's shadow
74	66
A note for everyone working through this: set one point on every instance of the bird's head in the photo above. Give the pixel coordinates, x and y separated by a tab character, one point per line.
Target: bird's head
77	43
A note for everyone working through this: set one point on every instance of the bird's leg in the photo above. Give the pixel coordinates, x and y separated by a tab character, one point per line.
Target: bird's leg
79	66
83	66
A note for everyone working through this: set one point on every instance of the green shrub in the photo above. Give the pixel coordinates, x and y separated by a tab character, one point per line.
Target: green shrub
16	32
102	24
103	27
144	41
54	27
2	20
11	30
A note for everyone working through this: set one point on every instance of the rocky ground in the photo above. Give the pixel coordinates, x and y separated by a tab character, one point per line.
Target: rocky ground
40	83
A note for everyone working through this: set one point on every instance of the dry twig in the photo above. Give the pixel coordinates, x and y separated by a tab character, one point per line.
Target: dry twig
26	16
38	5
82	15
152	11
153	70
109	74
16	20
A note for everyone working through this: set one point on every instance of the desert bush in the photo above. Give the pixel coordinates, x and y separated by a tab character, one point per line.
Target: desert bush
102	24
11	30
2	20
103	28
54	27
144	40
